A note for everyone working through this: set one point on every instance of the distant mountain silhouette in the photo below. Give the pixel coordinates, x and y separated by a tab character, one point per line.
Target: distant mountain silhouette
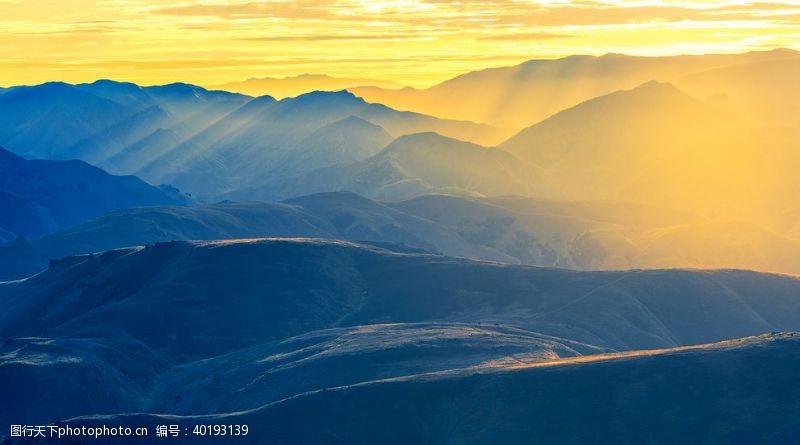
38	197
763	92
296	85
521	95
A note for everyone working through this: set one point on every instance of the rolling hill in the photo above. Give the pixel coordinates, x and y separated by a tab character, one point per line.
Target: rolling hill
585	235
238	321
643	395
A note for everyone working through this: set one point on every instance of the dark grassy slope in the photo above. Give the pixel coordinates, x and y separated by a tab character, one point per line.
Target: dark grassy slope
213	327
166	294
731	393
735	392
124	376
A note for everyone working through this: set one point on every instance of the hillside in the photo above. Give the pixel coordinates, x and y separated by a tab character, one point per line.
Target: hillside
220	316
642	395
652	145
38	197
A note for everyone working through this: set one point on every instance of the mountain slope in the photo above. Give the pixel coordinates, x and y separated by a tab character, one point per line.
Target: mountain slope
350	286
652	145
41	196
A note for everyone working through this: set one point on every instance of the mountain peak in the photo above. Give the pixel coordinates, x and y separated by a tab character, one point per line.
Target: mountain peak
320	95
111	82
663	93
429	137
353	121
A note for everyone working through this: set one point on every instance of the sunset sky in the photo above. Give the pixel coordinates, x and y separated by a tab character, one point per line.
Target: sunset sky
415	42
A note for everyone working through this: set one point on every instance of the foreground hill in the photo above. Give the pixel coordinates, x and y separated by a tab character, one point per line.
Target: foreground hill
213	327
38	197
641	395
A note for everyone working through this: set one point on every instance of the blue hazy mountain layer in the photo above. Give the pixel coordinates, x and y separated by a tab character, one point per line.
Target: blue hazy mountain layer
509	230
37	196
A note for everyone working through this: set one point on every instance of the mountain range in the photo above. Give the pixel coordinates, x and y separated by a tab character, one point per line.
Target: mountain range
588	249
521	95
301	84
268	139
61	121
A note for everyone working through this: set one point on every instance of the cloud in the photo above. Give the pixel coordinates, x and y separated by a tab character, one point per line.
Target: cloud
460	16
511	37
297	9
331	37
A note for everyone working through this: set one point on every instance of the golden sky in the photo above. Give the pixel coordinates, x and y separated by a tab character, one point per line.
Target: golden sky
416	42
